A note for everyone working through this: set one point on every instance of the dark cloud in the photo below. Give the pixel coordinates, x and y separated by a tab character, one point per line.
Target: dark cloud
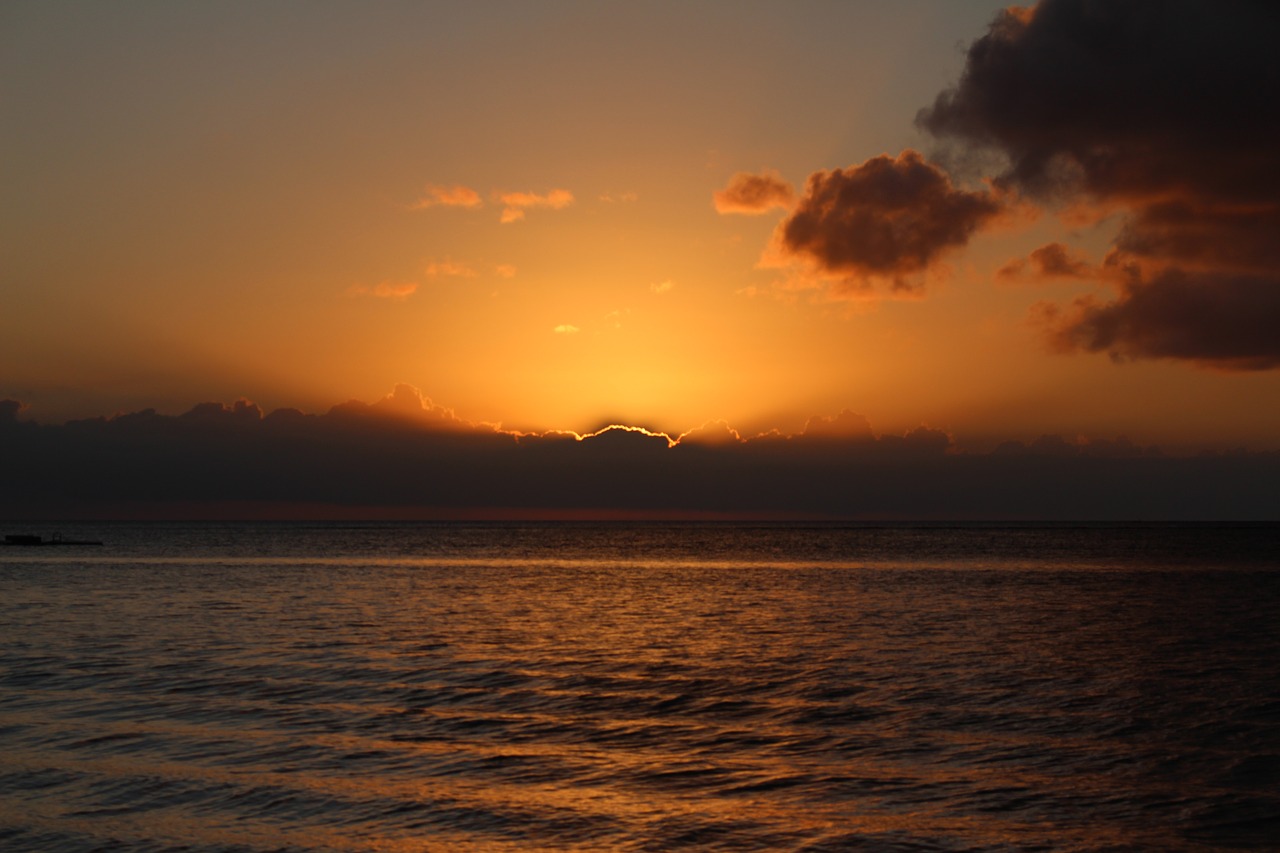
1056	445
754	194
1163	109
362	461
1220	321
406	403
1202	235
846	425
712	432
1051	261
886	220
1131	99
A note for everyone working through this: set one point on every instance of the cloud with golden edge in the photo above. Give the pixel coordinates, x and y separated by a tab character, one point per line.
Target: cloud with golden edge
566	329
455	196
714	433
516	203
754	194
624	429
385	290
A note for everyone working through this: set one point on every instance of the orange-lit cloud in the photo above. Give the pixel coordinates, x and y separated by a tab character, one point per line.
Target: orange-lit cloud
448	269
505	270
455	196
884	222
385	290
566	329
661	287
516	203
754	194
1164	113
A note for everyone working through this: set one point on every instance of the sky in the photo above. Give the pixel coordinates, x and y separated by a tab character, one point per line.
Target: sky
1054	224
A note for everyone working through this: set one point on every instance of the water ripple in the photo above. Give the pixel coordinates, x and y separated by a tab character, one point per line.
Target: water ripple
621	695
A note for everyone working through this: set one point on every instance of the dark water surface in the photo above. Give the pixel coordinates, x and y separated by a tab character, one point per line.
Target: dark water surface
633	687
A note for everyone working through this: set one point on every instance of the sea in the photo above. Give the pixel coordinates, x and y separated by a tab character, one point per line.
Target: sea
641	687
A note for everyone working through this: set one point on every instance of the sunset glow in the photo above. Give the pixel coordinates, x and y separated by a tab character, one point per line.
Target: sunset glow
566	425
795	212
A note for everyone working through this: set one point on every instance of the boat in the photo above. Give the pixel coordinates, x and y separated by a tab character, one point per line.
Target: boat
31	540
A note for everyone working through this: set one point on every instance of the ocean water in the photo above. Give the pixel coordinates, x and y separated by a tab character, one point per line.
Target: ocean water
388	687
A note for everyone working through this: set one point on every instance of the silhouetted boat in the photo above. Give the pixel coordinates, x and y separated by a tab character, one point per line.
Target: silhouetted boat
30	540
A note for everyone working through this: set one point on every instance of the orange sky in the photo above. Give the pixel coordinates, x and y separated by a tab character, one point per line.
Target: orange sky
511	208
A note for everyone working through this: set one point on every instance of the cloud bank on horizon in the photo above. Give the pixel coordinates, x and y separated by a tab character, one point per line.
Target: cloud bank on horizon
1160	112
407	457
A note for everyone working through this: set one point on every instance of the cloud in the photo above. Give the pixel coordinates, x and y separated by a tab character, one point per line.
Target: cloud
661	287
9	410
846	425
620	198
566	329
754	194
886	221
1164	111
516	203
405	402
713	433
1081	447
505	270
455	196
1050	261
385	290
406	456
1227	322
448	269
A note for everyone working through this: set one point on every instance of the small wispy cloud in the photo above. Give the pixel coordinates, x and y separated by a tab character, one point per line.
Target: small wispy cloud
619	198
455	196
516	203
661	287
593	326
505	270
385	290
448	269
